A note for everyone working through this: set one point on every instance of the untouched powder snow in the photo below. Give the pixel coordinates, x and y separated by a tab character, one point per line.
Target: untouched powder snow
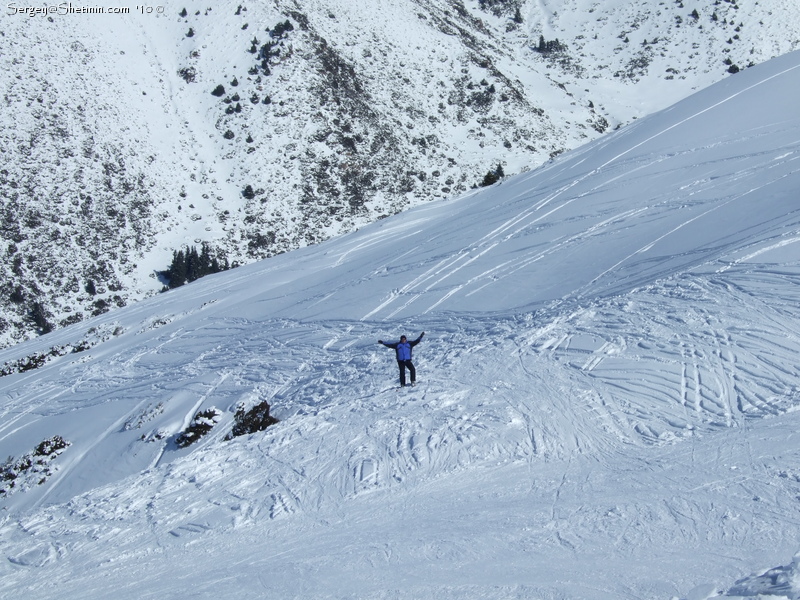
607	404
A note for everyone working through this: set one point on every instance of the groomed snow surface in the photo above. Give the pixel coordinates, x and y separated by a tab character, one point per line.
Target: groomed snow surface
606	408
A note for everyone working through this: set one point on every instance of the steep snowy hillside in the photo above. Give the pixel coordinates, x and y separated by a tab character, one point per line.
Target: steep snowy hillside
260	128
606	407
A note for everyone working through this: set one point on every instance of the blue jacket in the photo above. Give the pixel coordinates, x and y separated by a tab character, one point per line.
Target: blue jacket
403	349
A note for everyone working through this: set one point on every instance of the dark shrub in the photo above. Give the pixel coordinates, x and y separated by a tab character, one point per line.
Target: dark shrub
32	468
188	74
253	420
202	423
54	445
281	29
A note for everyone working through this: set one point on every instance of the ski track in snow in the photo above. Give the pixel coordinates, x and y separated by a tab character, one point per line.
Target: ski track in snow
585	362
481	408
422	285
633	437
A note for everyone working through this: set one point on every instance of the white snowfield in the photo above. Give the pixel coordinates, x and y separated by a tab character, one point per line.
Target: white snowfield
606	408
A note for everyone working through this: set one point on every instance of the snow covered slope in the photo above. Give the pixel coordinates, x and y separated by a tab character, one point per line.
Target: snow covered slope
607	405
331	114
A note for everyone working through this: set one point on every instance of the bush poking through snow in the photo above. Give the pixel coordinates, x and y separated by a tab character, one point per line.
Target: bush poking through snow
52	447
32	468
202	423
188	74
39	359
251	421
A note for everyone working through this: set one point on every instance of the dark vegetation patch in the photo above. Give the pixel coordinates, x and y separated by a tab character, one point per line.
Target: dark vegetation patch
200	426
32	468
249	421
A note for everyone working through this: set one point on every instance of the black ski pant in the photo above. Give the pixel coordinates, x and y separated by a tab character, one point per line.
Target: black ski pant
406	364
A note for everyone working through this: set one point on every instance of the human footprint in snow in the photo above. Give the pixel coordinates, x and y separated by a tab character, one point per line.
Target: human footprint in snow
403	350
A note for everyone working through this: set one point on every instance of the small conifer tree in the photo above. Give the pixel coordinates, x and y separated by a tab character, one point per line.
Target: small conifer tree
493	177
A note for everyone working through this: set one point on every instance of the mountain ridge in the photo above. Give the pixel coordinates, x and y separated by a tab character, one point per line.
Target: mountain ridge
606	405
116	165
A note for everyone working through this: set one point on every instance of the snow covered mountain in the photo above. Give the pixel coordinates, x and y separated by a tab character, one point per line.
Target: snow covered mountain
607	406
256	128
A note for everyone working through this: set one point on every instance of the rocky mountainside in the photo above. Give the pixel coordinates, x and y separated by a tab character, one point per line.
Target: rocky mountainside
255	128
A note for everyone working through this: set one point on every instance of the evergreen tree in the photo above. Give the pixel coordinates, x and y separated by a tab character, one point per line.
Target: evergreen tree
177	270
205	266
189	265
192	264
493	177
38	314
489	179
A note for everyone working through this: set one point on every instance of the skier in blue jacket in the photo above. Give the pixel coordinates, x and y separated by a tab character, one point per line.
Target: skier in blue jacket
403	349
